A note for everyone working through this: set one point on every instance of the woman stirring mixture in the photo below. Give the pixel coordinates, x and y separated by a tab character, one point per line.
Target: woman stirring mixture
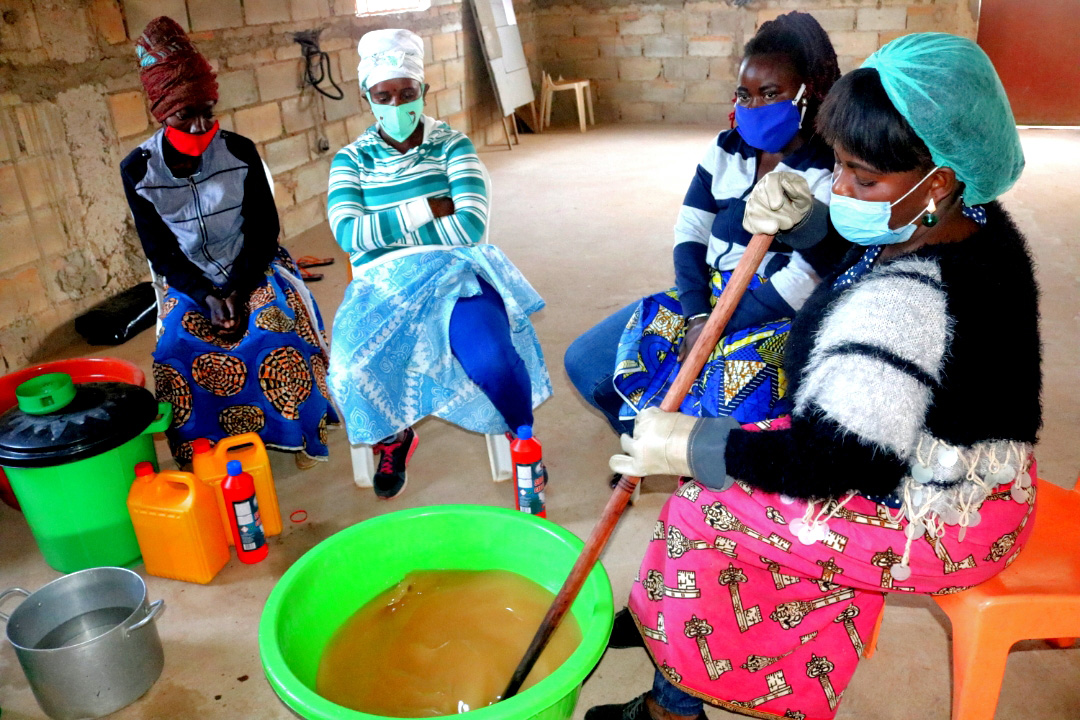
905	466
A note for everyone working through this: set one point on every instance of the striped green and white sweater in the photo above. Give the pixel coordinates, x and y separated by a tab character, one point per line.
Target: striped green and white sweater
378	196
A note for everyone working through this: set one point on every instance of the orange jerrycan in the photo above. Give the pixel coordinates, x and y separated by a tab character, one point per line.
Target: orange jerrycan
209	465
177	525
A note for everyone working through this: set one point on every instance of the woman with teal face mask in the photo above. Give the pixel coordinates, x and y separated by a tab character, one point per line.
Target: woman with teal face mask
434	322
915	373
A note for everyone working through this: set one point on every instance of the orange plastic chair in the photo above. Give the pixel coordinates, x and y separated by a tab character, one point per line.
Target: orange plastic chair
1037	597
870	647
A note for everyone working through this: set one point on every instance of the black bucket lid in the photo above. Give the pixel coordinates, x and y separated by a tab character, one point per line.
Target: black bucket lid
101	416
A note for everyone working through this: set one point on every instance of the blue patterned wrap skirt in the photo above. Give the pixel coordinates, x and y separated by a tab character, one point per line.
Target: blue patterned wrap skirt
271	380
743	377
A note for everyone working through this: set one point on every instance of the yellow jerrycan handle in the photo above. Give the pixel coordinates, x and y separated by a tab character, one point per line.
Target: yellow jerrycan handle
225	444
167	480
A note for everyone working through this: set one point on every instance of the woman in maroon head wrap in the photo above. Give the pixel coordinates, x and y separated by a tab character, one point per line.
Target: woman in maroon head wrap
241	347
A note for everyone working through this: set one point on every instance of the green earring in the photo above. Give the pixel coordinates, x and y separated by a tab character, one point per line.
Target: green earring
930	219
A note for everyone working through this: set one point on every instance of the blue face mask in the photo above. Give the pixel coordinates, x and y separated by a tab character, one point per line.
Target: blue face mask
770	127
866	222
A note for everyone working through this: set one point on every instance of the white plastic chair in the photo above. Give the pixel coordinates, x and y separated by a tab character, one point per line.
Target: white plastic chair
363	456
582	91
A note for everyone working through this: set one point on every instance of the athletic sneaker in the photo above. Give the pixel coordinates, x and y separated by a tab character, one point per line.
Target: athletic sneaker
390	476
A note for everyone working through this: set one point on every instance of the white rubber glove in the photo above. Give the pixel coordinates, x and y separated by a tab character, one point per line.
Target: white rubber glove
660	445
778	202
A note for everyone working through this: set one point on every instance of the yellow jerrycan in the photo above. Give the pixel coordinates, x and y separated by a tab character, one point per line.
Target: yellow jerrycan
177	525
209	465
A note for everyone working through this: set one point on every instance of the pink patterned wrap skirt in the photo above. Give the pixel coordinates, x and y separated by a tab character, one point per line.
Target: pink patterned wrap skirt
737	611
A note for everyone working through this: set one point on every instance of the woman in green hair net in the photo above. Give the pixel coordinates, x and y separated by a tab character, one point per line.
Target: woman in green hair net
907	463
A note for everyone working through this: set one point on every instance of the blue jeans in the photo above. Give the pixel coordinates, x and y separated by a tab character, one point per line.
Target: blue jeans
673	699
590	363
480	340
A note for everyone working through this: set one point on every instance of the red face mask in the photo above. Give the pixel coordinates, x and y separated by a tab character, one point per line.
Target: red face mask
189	143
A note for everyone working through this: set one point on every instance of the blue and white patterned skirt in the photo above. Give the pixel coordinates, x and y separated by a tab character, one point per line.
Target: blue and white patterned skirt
390	360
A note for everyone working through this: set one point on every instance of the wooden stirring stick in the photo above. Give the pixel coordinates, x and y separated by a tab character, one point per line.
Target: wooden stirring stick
688	373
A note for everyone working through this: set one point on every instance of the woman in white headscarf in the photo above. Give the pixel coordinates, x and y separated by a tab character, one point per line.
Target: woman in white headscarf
434	322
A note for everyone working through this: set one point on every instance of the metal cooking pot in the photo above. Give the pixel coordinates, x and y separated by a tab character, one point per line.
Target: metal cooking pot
87	641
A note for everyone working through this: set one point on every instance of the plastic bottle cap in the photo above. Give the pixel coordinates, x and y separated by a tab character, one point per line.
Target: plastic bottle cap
45	393
524	432
143	469
200	445
233	467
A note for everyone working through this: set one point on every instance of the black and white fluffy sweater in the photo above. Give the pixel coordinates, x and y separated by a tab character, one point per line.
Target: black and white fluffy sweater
931	360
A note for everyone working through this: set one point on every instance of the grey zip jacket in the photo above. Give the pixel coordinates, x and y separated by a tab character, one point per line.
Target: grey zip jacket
213	232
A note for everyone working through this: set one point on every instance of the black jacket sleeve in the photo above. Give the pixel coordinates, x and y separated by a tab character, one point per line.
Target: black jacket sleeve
815	458
693	279
260	220
158	242
757	307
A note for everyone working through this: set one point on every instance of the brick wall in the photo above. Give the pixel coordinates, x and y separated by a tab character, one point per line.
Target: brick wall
71	107
677	62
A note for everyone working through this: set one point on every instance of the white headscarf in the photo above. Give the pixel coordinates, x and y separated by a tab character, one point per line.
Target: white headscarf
389	54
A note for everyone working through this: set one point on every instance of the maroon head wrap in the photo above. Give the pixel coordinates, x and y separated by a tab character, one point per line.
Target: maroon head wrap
172	70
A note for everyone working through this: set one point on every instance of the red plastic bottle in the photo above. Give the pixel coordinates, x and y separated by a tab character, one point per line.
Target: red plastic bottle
530	476
245	524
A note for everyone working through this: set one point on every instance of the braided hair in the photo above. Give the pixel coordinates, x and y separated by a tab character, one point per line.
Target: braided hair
799	37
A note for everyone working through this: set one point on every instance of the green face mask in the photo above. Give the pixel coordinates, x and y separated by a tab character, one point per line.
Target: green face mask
398	121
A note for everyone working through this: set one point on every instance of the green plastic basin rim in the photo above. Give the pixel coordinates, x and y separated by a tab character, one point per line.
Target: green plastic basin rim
45	393
522	705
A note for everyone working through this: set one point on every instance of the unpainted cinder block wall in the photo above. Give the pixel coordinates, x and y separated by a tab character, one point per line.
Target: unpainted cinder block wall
673	61
71	107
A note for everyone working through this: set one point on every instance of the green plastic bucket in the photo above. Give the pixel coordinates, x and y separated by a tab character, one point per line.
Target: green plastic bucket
78	512
70	454
339	575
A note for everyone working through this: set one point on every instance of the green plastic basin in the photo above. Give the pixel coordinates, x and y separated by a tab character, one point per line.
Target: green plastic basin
336	577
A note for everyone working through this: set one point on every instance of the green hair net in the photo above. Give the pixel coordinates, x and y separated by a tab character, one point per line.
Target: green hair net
948	91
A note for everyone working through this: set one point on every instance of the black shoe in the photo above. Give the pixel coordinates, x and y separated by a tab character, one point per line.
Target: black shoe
614	481
390	477
624	632
636	709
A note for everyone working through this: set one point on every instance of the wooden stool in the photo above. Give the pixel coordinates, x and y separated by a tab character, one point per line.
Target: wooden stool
582	89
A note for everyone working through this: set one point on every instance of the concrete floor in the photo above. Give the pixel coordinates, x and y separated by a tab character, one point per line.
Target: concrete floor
588	219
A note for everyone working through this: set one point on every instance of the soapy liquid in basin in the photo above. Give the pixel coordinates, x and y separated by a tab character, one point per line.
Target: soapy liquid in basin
441	642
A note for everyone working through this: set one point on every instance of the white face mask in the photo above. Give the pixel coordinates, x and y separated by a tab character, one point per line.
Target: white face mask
866	222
